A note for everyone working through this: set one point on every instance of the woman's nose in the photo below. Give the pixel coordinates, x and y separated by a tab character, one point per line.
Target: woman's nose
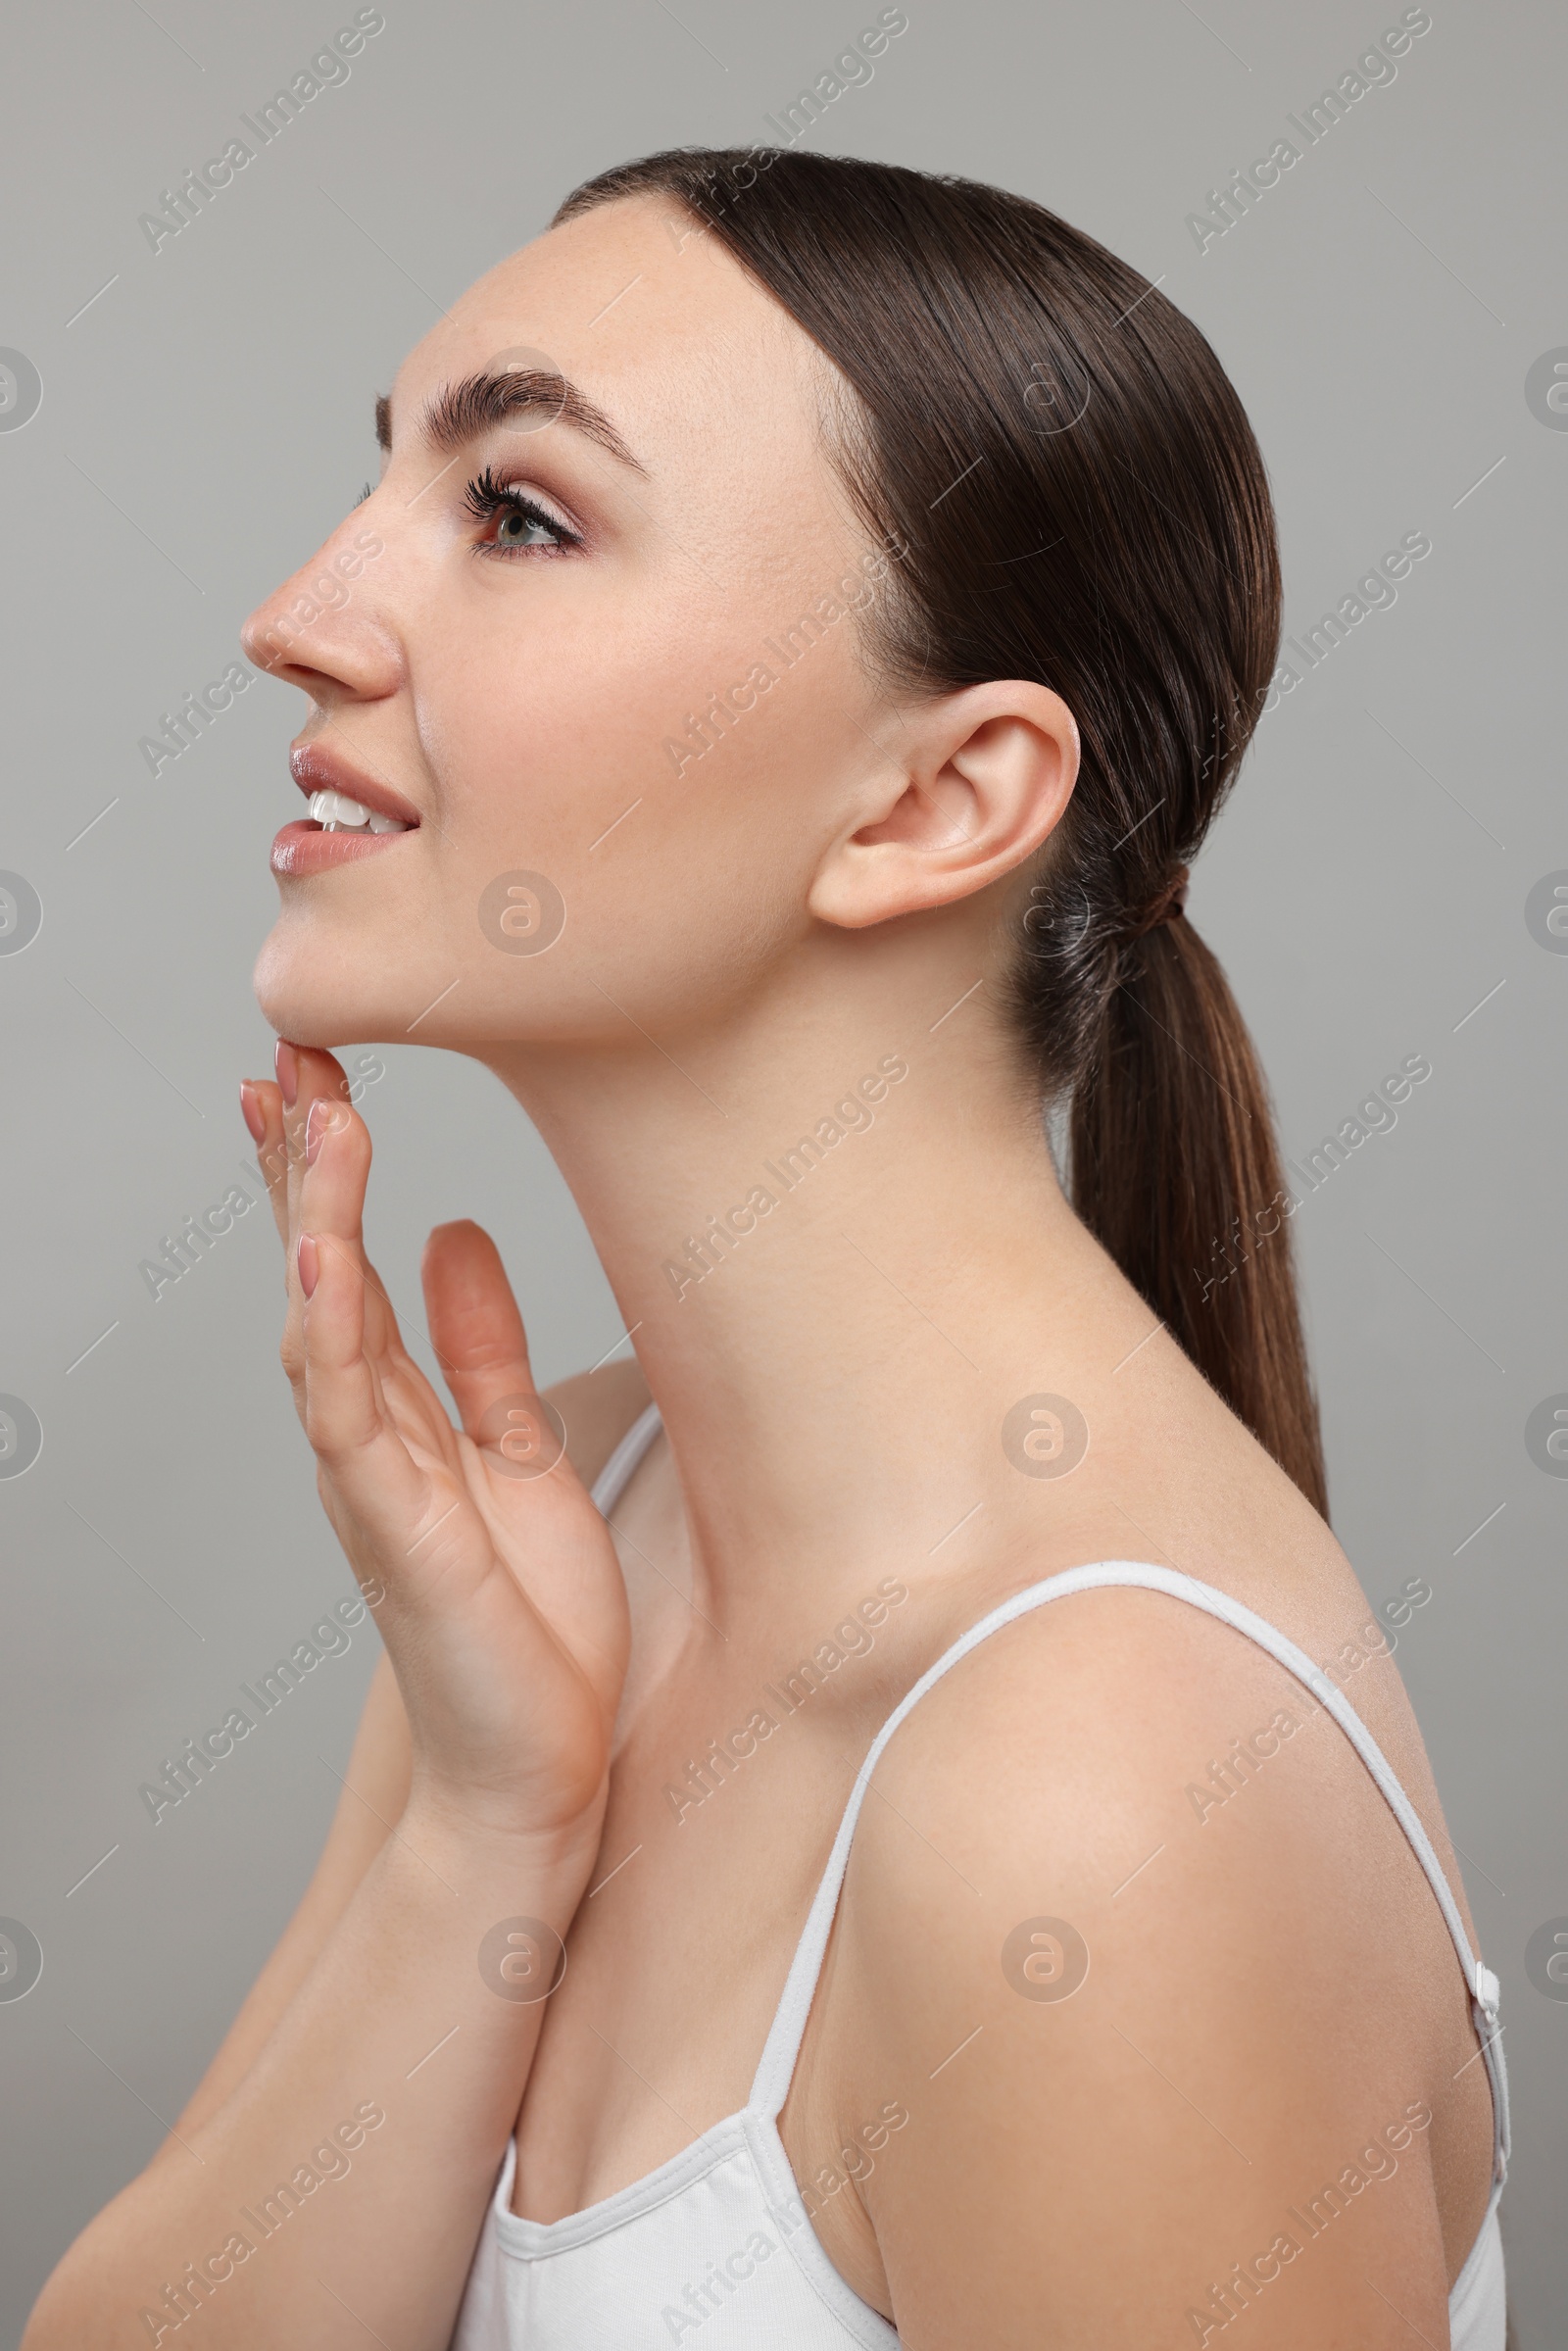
327	629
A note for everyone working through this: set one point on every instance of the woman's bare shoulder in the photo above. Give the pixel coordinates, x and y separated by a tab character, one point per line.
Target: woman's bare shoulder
1113	1717
1138	1865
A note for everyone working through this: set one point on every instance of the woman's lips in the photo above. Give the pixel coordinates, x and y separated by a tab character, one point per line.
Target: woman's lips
317	768
304	847
348	813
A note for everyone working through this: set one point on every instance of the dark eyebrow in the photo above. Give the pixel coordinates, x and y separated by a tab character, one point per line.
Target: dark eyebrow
478	402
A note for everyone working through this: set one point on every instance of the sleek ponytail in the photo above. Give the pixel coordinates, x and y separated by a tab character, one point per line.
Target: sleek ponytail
1175	1171
1076	497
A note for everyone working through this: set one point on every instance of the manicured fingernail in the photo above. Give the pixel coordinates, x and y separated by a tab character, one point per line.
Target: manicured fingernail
308	1262
287	1061
250	1110
321	1122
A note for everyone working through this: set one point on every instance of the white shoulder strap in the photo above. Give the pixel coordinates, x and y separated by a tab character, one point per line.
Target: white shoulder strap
613	1479
771	2085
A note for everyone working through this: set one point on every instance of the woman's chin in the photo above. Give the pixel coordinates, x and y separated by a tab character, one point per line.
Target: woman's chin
316	998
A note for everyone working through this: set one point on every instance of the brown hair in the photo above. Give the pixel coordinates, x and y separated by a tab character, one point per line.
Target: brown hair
1078	499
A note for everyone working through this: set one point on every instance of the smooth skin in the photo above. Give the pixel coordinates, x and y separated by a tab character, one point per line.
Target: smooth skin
1271	1986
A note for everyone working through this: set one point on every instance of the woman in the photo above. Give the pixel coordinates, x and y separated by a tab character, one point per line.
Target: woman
808	618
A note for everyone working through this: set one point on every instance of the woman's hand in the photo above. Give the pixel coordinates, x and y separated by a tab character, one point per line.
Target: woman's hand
492	1575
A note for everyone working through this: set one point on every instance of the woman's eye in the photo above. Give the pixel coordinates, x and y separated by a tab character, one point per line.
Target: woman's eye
515	528
515	522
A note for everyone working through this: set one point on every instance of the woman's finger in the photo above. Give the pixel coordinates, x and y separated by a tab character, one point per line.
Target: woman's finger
262	1107
334	1169
373	1477
478	1335
304	1076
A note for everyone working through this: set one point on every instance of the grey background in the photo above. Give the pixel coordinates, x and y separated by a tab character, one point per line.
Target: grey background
206	418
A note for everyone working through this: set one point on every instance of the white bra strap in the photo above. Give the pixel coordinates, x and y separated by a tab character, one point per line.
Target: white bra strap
613	1479
773	2074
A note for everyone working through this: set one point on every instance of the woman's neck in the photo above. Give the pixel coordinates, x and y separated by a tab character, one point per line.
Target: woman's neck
833	1225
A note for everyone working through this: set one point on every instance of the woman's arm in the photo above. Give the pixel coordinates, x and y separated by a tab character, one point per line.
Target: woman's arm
597	1408
331	2174
370	1804
337	2190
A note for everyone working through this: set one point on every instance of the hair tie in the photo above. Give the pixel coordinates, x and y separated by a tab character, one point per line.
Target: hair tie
1170	901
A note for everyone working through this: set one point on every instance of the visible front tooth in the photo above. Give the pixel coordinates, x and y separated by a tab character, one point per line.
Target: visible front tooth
336	809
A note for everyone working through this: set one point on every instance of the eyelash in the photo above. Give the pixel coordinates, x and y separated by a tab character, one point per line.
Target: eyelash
487	500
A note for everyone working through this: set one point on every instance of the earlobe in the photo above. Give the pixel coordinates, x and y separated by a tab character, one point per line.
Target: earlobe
984	777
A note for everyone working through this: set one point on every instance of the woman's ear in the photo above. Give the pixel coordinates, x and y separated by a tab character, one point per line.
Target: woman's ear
977	781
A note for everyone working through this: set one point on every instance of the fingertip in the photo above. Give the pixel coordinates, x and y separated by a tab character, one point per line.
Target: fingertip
323	1070
326	1117
307	1258
457	1231
459	1256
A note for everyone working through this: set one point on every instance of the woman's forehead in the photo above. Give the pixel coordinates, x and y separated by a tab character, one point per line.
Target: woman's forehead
639	307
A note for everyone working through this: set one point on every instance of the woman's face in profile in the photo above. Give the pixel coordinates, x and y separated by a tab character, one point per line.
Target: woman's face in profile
511	638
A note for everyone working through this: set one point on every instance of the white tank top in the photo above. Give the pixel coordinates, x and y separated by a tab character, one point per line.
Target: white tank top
717	2244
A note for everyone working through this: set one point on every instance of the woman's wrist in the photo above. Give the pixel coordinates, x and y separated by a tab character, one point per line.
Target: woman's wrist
496	1832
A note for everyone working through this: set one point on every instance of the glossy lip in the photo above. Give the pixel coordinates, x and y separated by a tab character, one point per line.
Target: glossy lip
317	769
305	847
